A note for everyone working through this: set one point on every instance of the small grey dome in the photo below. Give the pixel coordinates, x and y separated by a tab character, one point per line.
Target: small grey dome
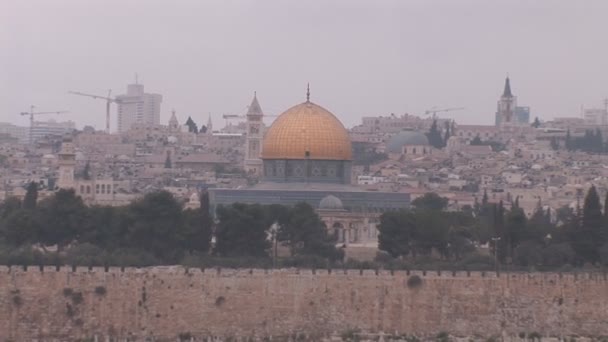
331	202
406	137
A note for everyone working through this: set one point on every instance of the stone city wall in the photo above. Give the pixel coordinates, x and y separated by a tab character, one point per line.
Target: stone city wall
163	303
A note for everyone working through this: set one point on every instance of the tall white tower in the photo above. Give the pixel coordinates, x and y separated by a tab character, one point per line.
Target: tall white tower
67	163
255	134
505	114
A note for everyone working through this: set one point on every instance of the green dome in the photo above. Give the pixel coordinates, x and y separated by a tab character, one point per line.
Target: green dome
406	137
331	202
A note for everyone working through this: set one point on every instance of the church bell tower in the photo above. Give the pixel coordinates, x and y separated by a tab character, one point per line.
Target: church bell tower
255	134
505	114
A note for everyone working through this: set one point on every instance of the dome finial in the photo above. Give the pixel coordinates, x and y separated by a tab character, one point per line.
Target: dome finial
308	92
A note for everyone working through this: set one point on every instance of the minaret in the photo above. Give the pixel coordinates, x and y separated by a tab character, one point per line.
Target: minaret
67	162
209	125
505	114
255	126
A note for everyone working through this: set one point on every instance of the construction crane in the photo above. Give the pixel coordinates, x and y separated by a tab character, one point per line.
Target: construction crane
236	116
109	101
434	111
31	113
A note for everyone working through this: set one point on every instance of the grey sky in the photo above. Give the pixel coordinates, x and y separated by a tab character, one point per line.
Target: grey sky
360	57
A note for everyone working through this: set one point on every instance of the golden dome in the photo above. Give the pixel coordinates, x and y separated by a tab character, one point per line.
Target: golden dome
307	127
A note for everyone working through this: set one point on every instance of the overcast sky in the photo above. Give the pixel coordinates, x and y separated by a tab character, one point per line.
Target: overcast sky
361	57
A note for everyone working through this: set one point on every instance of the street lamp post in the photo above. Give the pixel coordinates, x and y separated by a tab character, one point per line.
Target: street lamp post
273	231
496	239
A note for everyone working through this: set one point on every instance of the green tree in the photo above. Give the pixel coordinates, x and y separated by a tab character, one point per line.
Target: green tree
434	136
241	231
569	143
192	128
396	232
62	218
106	227
554	144
476	141
168	163
431	232
447	134
198	228
154	223
536	123
86	173
20	227
516	229
31	196
590	236
306	234
10	205
430	201
539	225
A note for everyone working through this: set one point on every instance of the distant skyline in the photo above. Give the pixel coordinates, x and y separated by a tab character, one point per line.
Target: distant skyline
362	58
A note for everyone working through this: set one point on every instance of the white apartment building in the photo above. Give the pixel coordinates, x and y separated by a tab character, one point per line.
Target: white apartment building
15	131
41	129
596	116
137	107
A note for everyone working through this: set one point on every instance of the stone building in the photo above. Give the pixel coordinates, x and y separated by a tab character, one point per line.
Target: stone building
307	156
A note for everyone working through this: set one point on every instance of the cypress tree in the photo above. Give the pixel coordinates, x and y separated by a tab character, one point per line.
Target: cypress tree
590	235
168	161
434	136
568	141
484	200
86	174
447	134
31	196
606	207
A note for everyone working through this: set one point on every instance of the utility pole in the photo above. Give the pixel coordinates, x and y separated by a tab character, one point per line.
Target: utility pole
496	239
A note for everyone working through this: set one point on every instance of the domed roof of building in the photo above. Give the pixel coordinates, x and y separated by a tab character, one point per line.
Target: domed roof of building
406	137
331	202
307	127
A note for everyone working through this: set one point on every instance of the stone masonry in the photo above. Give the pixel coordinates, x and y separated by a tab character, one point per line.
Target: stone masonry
160	303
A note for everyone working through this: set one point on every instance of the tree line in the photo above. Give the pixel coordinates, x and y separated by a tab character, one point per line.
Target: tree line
154	230
592	142
567	238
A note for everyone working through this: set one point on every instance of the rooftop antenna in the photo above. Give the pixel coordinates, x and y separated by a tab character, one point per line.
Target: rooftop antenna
308	92
136	79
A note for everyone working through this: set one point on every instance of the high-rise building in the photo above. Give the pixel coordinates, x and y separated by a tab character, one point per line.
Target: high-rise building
137	107
508	113
255	134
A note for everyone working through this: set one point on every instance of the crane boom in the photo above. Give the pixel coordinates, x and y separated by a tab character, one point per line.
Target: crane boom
93	96
434	110
108	99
